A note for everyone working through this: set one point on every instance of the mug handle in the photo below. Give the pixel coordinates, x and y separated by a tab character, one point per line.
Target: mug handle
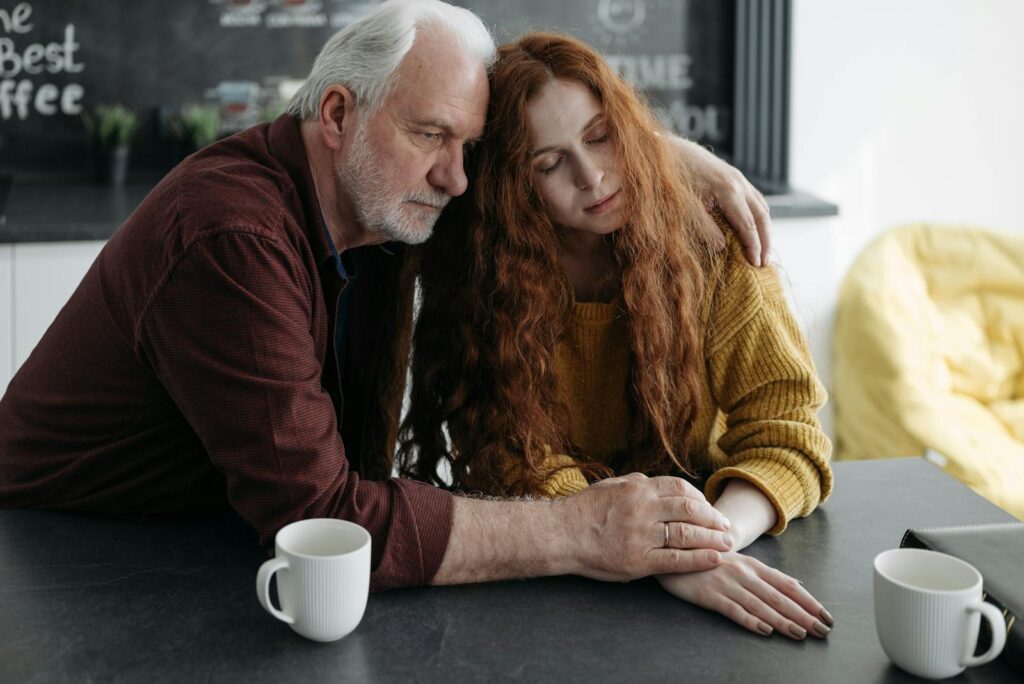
267	571
995	621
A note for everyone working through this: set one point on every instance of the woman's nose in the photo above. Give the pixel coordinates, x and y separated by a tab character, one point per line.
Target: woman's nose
588	175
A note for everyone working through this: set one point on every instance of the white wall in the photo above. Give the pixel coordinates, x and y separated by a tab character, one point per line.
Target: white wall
901	111
909	110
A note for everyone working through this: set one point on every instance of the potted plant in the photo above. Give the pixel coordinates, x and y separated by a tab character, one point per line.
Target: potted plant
113	129
196	126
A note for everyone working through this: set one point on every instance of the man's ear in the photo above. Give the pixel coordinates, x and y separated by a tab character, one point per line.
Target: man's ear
337	110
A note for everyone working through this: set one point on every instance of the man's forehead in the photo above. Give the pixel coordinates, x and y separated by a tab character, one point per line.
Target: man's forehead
452	100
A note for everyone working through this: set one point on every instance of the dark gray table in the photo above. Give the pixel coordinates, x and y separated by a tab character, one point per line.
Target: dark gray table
84	599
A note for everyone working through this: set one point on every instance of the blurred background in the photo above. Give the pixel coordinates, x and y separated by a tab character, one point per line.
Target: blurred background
854	118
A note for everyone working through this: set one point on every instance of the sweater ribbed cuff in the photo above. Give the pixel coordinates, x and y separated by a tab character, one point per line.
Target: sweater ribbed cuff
776	481
565	482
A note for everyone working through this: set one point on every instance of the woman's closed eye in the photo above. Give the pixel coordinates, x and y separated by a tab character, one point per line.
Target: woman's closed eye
551	166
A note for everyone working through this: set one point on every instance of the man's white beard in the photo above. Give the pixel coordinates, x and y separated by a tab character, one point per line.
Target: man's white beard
378	205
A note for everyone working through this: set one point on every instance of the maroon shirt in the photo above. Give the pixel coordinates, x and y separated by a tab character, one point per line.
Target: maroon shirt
193	369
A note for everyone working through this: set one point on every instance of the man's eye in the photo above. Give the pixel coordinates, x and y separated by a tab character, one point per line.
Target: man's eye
432	137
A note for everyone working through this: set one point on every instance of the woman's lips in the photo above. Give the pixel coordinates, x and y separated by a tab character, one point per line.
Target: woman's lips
604	205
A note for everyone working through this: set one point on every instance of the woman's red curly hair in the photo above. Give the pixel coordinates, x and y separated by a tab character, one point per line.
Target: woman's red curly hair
495	299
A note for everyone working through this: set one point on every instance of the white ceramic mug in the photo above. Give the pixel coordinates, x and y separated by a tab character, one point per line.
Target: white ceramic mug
928	608
323	577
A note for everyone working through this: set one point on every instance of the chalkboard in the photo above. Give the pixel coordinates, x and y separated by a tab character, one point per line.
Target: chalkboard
59	58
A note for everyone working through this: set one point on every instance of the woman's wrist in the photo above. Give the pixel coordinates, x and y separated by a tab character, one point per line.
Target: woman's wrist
749	511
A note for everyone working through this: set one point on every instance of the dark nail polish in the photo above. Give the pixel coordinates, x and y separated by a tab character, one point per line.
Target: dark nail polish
798	631
821	630
826	617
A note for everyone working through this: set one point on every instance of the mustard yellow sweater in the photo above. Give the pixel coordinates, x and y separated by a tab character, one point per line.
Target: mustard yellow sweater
756	417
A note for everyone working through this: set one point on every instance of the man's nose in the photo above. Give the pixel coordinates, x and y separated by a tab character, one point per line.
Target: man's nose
448	173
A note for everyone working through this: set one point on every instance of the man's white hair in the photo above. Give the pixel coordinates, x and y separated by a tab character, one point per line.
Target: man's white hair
364	55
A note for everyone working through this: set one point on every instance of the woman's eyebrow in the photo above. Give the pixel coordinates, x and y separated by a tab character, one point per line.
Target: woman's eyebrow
550	148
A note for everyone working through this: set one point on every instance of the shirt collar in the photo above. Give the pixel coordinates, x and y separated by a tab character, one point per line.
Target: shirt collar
286	146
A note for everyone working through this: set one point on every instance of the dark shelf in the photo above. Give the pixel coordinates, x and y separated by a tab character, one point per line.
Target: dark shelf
71	210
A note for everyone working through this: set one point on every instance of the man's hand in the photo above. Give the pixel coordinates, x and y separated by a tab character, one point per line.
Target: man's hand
614	530
724	186
621	528
754	596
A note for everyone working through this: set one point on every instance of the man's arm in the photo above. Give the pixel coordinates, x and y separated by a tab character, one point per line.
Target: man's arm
229	337
724	186
614	531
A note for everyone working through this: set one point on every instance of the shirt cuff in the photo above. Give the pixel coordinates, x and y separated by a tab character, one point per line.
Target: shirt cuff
417	538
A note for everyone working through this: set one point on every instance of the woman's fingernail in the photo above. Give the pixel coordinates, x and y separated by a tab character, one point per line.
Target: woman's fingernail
821	630
727	538
765	628
797	631
726	525
826	617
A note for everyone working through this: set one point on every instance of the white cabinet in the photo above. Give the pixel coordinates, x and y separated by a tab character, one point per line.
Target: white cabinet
44	276
6	315
804	250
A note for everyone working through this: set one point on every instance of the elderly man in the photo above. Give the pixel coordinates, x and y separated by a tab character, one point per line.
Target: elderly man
234	344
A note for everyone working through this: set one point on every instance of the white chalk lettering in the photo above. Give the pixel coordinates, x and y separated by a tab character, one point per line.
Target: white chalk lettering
69	52
662	72
276	20
239	19
71	99
693	121
31	58
45	97
60	57
14	97
20	97
16	21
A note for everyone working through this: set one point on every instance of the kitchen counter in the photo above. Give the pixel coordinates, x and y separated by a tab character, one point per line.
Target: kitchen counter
66	211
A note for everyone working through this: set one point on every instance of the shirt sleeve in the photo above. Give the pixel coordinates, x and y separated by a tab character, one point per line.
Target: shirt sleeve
762	378
230	336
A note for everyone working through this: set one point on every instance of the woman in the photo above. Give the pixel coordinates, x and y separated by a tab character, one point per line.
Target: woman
576	323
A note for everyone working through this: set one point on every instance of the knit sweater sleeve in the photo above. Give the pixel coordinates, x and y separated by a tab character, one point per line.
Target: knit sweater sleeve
561	475
762	377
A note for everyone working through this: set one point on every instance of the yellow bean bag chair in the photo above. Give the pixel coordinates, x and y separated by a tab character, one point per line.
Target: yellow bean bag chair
929	348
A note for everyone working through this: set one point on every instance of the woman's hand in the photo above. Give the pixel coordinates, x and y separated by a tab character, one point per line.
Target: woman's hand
753	595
